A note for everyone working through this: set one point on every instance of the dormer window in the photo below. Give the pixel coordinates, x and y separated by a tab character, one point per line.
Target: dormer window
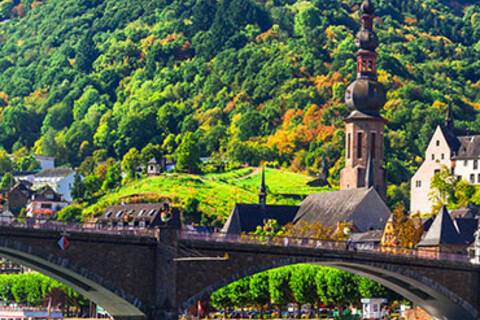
108	214
119	214
141	213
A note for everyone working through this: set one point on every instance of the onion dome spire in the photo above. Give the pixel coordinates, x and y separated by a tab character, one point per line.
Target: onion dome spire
365	94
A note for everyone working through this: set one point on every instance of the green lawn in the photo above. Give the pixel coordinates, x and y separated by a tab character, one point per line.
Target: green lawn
217	193
279	182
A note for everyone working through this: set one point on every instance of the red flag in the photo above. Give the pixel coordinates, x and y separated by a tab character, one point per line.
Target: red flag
63	243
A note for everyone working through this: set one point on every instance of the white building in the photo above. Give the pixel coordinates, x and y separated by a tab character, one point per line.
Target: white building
45	162
45	203
59	179
460	154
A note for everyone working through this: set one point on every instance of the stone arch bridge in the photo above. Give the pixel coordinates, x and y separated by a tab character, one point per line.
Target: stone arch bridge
158	275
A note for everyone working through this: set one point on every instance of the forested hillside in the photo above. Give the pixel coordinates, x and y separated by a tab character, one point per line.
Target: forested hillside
246	80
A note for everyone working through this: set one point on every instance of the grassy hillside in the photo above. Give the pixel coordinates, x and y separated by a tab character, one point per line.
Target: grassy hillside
217	193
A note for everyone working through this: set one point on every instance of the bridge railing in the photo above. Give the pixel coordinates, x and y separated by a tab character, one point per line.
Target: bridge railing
423	254
72	227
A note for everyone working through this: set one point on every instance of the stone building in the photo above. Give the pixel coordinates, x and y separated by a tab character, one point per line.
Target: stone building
444	236
59	179
156	167
45	202
364	127
451	148
139	216
18	197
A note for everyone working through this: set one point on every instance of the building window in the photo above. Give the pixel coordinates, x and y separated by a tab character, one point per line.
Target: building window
360	145
349	145
478	178
418	183
436	171
472	178
438	143
433	156
373	145
443	156
465	163
475	164
46	206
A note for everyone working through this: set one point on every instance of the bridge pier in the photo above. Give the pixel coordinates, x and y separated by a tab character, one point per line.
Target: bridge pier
166	276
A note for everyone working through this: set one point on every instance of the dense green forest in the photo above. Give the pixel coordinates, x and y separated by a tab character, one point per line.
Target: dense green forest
244	80
35	290
301	284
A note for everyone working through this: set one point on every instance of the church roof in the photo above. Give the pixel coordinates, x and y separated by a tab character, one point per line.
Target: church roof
55	173
153	161
466	228
369	236
470	211
469	147
364	207
246	217
442	232
452	139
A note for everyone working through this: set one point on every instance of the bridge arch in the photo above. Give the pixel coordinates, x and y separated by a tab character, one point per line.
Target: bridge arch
115	301
438	301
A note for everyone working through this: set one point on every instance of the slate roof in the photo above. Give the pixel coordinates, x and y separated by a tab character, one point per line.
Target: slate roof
427	223
469	148
451	137
466	228
442	232
149	212
153	161
42	195
246	217
6	214
470	211
369	236
364	207
55	173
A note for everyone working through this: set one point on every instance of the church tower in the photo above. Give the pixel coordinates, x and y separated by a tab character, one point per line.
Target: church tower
262	192
364	127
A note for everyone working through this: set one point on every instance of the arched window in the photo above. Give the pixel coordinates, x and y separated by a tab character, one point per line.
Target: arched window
359	145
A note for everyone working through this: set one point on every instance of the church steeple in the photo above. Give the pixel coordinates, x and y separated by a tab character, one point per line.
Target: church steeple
262	193
365	94
364	127
449	121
